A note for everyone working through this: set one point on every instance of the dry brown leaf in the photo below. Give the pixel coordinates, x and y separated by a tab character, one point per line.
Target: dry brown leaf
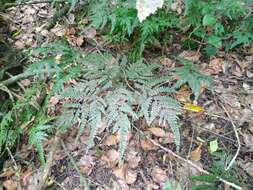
158	132
195	155
79	41
132	158
58	30
24	177
90	33
190	55
168	139
10	185
159	175
111	157
124	173
7	172
183	94
249	168
167	62
248	140
53	100
111	140
85	164
147	145
19	45
186	170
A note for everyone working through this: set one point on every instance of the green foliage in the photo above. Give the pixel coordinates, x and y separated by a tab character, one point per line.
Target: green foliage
19	115
36	136
222	23
106	92
189	74
112	92
219	23
216	170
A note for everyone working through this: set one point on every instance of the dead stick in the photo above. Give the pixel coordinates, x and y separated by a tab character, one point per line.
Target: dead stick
237	138
188	161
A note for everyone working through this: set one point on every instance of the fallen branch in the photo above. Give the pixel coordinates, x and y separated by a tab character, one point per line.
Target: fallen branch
237	138
188	161
22	76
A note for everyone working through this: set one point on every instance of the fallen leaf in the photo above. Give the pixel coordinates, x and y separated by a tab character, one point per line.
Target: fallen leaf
248	140
194	108
190	55
195	155
85	164
53	100
168	139
111	140
58	30
213	146
19	45
79	41
111	157
183	94
25	82
147	145
7	172
167	62
159	175
248	167
90	33
9	185
158	132
132	158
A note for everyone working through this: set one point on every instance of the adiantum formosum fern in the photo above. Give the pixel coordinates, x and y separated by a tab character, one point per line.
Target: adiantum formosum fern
115	93
107	92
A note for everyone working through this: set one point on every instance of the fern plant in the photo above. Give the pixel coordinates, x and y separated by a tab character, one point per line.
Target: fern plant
189	74
113	92
107	91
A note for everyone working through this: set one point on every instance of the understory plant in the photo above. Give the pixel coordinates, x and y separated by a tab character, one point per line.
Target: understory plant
110	90
217	24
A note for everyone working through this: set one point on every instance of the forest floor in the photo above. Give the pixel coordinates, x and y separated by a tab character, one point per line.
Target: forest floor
221	125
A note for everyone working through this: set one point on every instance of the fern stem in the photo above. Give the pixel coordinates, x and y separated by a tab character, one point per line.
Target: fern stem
49	163
21	76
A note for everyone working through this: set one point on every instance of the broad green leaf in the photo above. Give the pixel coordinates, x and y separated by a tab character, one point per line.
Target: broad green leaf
147	7
208	20
213	145
215	41
168	186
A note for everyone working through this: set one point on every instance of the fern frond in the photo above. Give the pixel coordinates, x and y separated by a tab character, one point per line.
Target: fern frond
189	74
36	137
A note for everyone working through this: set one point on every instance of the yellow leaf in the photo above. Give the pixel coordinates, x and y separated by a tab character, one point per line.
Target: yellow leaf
192	107
196	153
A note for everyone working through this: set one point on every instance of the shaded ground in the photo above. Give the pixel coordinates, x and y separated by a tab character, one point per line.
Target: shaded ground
146	166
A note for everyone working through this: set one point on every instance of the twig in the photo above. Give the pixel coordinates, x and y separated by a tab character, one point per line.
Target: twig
188	161
12	158
49	163
237	138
